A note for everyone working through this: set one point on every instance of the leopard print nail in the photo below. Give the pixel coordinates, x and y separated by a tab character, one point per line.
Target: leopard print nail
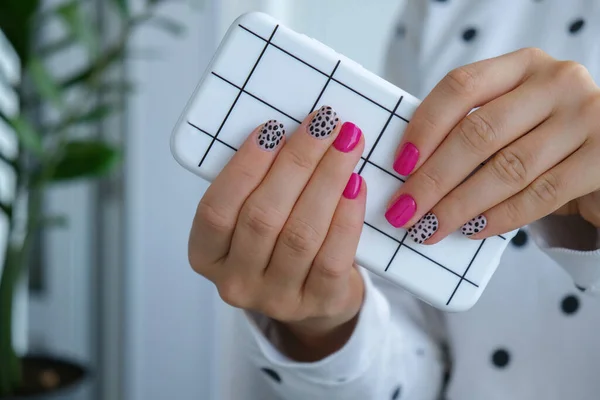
424	228
474	226
323	123
271	135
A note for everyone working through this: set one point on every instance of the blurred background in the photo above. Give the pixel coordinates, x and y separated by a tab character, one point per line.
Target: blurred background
112	289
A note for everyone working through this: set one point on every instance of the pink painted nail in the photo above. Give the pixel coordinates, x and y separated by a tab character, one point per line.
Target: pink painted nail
407	159
353	186
348	137
401	211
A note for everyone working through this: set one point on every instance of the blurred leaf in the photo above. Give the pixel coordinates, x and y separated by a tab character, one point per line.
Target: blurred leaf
27	136
123	7
167	24
85	158
96	68
56	46
79	25
5	208
60	221
95	114
16	23
44	82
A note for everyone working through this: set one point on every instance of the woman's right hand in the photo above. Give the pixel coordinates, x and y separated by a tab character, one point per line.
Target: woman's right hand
277	231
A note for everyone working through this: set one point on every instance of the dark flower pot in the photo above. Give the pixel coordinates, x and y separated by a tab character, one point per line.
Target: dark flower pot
46	377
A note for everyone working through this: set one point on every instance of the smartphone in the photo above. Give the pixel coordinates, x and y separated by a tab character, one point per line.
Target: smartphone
264	70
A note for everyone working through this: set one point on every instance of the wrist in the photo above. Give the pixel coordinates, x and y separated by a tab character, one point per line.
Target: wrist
316	338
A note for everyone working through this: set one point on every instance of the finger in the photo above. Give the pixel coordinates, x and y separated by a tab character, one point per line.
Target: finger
218	211
332	277
511	170
308	224
546	194
456	95
477	137
265	212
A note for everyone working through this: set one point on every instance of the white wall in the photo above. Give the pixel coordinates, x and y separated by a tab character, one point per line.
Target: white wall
170	310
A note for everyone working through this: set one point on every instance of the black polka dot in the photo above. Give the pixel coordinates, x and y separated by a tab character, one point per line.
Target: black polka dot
500	358
580	288
469	34
576	25
570	304
520	239
274	375
396	392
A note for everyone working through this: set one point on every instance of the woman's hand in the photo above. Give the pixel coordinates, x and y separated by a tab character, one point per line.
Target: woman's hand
537	132
277	231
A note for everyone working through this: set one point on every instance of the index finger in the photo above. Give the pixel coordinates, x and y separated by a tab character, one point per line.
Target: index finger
461	90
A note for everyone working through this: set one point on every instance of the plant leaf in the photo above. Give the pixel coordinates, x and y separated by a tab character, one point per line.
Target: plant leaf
16	23
123	7
44	82
95	68
25	132
95	114
168	25
85	158
79	26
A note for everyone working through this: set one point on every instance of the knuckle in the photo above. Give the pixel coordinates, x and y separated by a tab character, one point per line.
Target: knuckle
300	236
510	167
298	159
216	217
430	179
462	81
533	54
263	221
232	291
591	108
512	211
477	132
545	189
330	267
572	73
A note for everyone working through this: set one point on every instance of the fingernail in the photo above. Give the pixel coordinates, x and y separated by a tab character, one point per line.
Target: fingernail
323	123
353	186
474	226
401	211
407	159
348	137
424	228
271	134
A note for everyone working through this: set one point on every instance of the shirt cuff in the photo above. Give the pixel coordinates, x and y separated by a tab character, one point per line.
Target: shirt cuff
575	245
348	363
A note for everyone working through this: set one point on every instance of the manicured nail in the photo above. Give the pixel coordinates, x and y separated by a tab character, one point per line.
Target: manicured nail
424	228
474	226
401	211
323	123
407	159
348	137
271	135
353	186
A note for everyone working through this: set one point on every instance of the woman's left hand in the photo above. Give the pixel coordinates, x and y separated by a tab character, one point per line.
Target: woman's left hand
536	132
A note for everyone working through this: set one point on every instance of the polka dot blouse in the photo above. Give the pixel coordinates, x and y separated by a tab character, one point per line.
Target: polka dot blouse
535	333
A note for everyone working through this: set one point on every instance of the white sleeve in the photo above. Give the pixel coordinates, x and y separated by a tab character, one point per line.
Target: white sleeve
575	245
388	352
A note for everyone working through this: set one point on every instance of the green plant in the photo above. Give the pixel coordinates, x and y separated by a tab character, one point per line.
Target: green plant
51	152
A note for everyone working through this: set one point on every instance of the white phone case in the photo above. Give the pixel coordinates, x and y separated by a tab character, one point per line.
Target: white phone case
263	70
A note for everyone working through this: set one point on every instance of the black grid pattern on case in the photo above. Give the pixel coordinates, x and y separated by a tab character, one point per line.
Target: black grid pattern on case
401	244
462	278
238	95
393	113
